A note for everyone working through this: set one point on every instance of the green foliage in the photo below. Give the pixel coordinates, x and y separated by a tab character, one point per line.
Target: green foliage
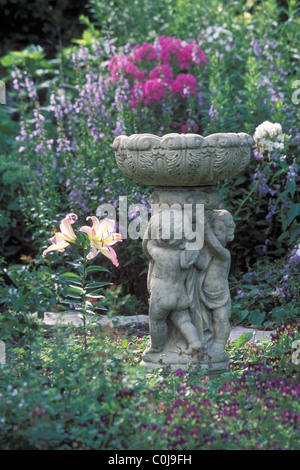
47	418
32	289
268	294
12	177
117	303
137	21
8	128
63	115
67	398
31	58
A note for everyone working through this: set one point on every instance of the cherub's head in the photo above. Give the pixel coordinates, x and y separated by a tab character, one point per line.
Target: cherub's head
223	226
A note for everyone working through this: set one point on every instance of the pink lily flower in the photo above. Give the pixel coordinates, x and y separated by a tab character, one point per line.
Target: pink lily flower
62	239
102	236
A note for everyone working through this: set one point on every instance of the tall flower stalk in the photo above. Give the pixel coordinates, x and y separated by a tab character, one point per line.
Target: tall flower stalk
81	291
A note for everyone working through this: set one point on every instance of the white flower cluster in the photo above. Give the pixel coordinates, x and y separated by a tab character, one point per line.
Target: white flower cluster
216	34
269	136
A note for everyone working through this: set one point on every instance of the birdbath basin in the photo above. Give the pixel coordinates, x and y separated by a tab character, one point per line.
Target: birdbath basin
182	159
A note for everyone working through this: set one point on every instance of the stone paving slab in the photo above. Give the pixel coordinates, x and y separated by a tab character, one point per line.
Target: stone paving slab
258	335
52	318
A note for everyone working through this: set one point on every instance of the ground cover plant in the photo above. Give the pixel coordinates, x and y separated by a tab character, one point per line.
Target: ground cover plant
60	395
180	66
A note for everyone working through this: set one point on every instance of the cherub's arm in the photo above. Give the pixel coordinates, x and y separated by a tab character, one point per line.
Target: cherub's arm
213	243
149	250
188	258
149	275
152	249
201	262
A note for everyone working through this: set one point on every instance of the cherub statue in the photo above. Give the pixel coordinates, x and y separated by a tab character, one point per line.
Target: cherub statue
214	263
166	286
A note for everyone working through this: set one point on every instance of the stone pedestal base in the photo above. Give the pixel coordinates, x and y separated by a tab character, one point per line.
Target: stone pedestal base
177	355
211	369
177	362
189	304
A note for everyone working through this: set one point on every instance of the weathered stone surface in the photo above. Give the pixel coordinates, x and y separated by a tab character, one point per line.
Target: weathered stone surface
182	159
206	195
189	304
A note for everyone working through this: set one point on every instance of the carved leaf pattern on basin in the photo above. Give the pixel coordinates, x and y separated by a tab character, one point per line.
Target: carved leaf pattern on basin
173	160
145	161
182	159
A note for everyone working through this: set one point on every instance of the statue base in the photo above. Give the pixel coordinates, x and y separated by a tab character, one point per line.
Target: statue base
212	370
177	355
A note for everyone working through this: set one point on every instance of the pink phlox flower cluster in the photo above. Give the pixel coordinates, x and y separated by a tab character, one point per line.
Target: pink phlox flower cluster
115	65
185	84
157	70
164	72
168	47
189	54
148	92
146	51
153	90
122	64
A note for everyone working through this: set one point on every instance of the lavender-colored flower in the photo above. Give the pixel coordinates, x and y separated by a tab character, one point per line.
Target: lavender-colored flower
257	50
213	113
31	91
119	130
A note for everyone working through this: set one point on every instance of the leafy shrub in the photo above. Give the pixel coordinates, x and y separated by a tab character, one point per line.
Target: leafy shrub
44	418
13	234
116	303
129	23
33	288
269	293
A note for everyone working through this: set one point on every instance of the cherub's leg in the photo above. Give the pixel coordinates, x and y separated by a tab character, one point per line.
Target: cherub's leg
158	329
182	320
221	327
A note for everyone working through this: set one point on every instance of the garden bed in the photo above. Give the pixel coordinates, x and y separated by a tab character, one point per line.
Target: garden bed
57	395
163	67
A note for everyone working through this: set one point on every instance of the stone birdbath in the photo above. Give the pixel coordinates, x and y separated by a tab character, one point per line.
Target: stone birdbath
185	242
